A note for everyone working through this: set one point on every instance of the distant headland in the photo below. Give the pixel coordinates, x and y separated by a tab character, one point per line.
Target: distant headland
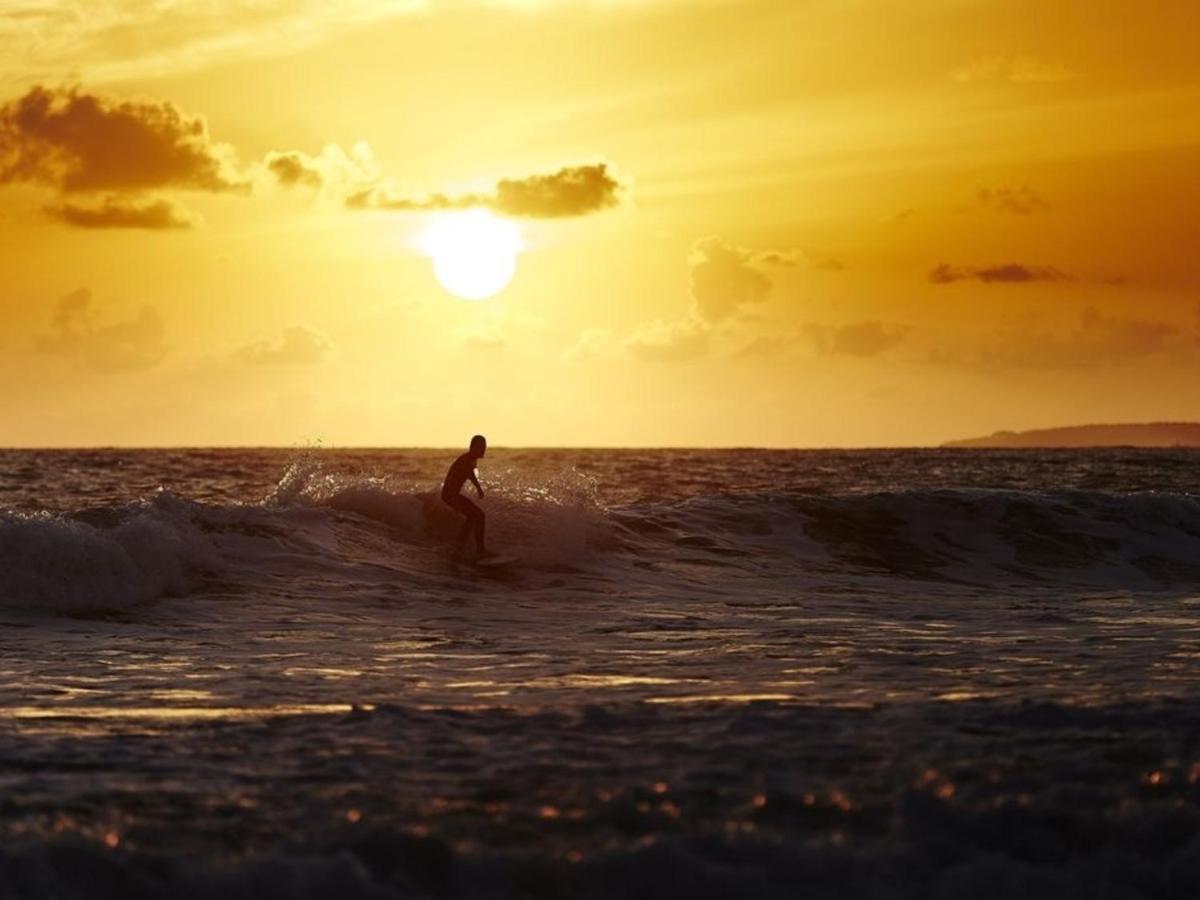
1143	434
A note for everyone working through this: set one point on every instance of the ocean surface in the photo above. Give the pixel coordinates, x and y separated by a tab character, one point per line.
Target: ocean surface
745	673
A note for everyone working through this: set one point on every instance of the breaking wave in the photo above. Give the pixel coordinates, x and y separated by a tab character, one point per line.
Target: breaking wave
115	558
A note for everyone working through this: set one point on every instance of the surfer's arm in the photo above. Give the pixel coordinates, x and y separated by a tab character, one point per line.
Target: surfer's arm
475	481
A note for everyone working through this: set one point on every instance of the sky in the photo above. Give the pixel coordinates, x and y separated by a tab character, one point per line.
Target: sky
802	223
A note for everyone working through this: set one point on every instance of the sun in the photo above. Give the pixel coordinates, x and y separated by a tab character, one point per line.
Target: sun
474	253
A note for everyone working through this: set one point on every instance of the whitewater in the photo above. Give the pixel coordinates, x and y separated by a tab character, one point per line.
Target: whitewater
741	673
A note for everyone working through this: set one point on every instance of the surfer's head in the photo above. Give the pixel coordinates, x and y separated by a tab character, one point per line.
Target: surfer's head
478	445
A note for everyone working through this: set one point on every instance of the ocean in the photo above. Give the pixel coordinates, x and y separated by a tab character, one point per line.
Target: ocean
737	673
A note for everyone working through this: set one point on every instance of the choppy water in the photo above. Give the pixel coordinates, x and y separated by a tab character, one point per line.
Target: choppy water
734	673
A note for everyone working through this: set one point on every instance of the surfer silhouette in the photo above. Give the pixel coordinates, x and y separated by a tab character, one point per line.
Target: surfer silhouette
462	470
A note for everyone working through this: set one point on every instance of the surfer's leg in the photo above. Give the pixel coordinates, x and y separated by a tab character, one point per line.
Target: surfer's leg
463	533
480	519
474	523
463	507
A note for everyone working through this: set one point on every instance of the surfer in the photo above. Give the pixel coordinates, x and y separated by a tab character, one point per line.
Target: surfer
461	470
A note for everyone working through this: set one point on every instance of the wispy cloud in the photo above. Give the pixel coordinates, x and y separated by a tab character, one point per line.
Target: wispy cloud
727	282
1004	273
868	338
77	333
1018	201
1013	69
1097	339
122	40
679	341
116	212
297	345
574	190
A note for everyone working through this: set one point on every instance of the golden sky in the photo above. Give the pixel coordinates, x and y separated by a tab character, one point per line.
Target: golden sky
786	223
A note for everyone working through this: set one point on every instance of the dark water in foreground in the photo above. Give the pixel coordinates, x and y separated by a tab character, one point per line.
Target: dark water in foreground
734	673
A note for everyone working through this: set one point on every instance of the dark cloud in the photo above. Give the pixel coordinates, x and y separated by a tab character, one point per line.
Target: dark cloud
856	339
570	191
113	212
119	347
293	169
296	346
374	197
74	141
1010	273
794	258
1021	201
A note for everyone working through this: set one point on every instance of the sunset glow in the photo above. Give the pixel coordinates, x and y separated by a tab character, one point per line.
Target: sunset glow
902	223
474	254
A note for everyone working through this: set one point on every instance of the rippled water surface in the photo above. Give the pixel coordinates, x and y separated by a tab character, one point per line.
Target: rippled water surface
712	671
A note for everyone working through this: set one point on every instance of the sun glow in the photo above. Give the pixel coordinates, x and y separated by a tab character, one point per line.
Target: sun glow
474	253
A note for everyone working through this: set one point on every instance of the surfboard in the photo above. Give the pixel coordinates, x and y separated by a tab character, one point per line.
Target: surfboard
493	562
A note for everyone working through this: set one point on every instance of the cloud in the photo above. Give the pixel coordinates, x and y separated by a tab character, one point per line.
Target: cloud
1020	201
856	339
296	346
1013	69
571	191
795	258
1010	273
115	151
115	212
353	174
1097	340
669	341
495	326
899	217
135	39
291	169
120	347
725	280
575	190
128	40
487	334
592	343
75	141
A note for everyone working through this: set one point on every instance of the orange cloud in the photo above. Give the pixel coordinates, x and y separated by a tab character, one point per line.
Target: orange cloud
1014	69
1011	273
669	341
74	141
1021	201
570	191
113	212
296	346
292	169
856	339
725	280
1097	340
120	347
